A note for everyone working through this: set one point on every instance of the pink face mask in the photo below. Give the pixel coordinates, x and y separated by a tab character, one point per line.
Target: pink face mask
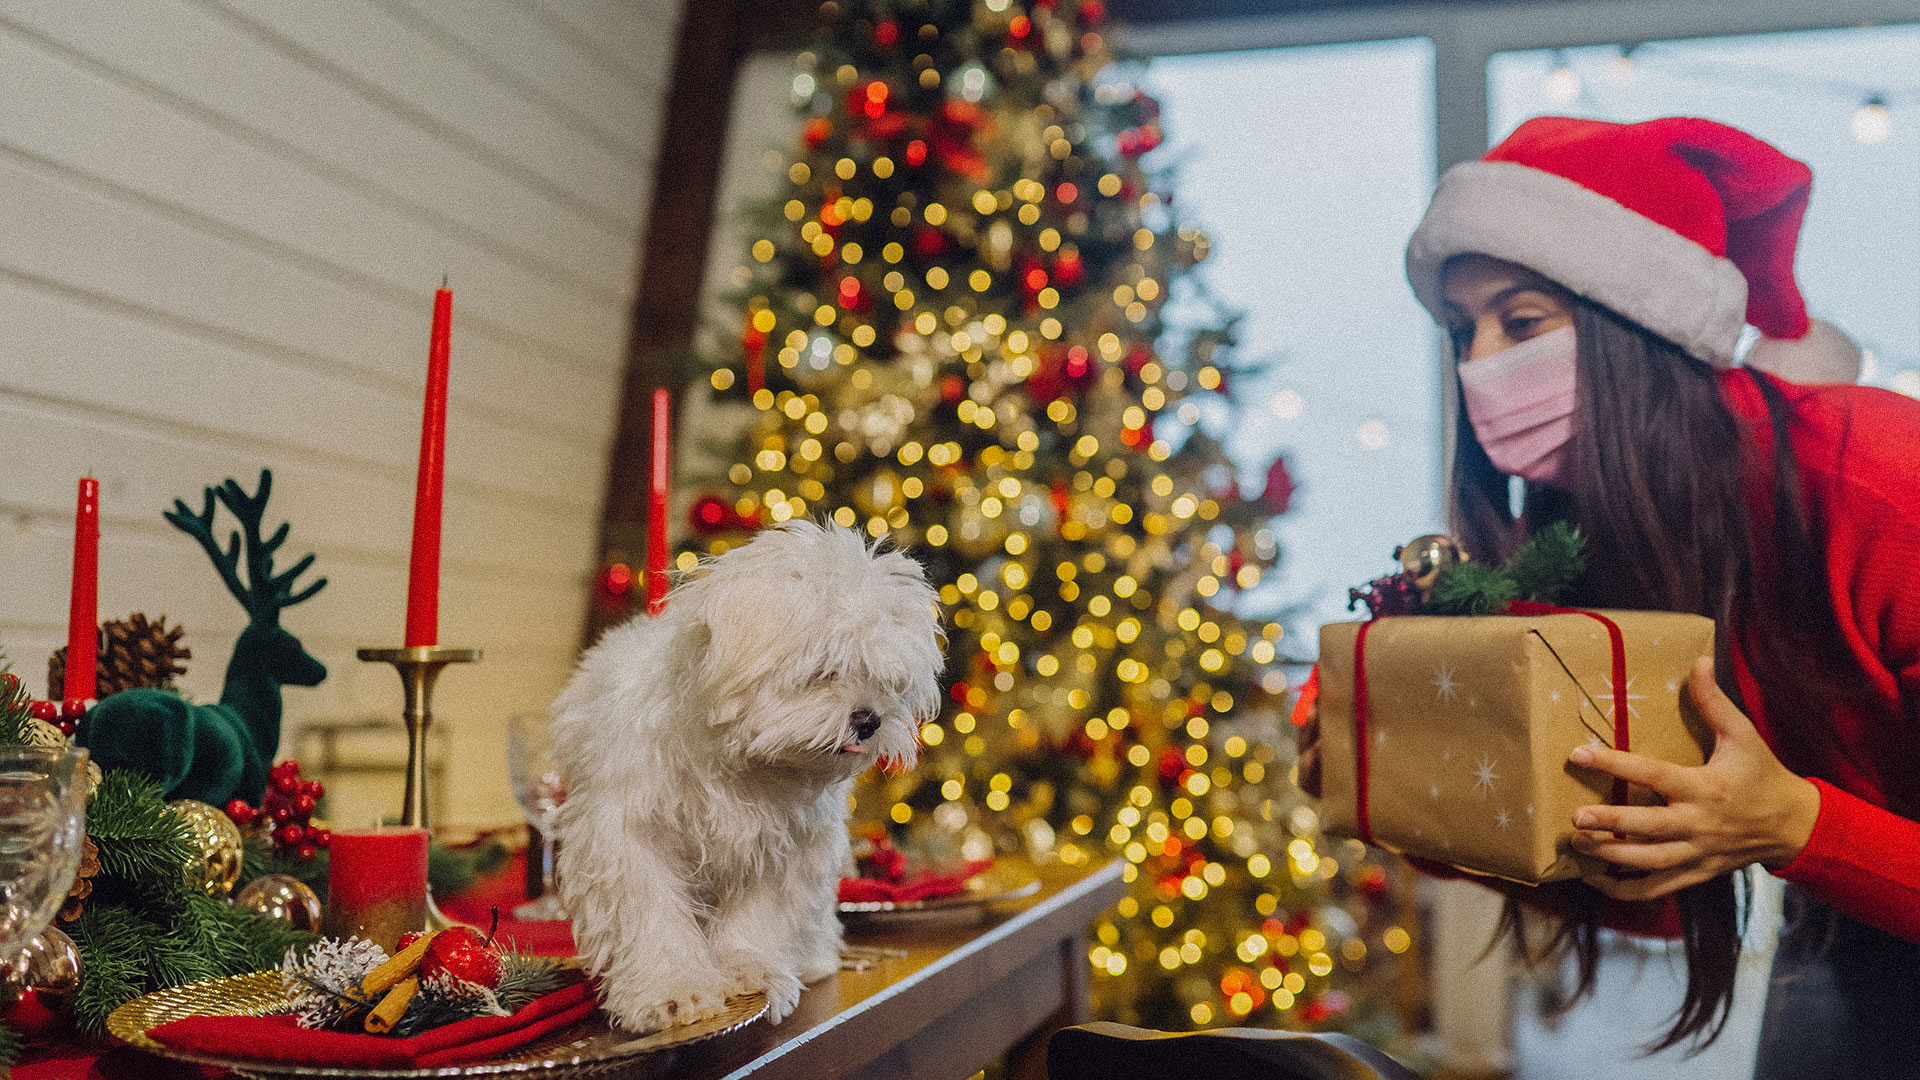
1521	401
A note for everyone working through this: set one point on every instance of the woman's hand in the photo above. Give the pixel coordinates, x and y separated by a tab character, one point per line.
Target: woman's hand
1307	737
1742	806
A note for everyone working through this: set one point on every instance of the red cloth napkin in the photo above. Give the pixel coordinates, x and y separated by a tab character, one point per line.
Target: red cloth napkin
921	886
280	1038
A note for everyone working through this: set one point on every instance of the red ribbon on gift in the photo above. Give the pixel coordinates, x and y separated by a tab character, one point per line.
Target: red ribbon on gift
1621	742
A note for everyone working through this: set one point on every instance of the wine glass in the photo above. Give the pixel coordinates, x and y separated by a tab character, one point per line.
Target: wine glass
43	801
539	788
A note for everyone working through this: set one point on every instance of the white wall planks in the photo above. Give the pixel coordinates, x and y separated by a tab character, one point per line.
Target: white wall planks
225	219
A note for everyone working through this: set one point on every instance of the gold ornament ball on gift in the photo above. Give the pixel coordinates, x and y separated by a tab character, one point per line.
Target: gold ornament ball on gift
216	842
1425	556
282	898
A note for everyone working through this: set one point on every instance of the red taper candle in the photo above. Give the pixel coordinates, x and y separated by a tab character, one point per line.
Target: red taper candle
660	473
423	572
83	613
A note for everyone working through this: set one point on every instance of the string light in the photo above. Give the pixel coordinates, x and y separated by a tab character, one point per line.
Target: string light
1563	83
1871	122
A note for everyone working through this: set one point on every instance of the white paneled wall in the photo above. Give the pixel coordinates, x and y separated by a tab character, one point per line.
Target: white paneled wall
221	224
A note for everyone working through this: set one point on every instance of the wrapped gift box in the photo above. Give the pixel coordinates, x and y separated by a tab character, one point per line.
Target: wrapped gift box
1470	720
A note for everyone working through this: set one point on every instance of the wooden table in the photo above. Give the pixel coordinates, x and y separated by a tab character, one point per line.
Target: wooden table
967	991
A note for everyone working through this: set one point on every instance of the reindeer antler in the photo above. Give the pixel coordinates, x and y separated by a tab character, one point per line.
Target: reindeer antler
264	594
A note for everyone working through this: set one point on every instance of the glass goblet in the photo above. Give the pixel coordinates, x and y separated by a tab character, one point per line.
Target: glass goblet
43	801
539	787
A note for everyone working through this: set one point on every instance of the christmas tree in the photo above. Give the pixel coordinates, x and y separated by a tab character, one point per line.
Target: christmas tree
957	337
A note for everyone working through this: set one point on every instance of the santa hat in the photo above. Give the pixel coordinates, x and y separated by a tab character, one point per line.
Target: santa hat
1685	226
1825	355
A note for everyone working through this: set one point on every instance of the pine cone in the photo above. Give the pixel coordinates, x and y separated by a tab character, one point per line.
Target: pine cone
133	653
82	882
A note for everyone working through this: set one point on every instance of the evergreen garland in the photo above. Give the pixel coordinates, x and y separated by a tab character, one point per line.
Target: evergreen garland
11	1042
1544	567
14	703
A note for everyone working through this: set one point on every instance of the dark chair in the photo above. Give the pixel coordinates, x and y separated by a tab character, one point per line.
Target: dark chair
1106	1051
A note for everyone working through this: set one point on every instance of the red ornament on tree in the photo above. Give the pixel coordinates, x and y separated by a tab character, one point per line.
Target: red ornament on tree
1278	494
709	515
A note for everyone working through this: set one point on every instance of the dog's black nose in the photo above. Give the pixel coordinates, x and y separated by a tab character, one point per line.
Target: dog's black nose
865	723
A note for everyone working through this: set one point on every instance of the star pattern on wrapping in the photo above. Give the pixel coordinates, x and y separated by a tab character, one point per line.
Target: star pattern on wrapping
1484	776
1433	792
1445	686
1629	695
1553	696
1503	818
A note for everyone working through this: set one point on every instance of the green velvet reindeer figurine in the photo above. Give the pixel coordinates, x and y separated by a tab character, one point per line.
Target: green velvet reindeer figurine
216	753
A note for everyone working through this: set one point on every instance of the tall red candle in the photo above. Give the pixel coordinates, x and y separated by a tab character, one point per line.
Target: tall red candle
657	501
376	884
83	613
423	574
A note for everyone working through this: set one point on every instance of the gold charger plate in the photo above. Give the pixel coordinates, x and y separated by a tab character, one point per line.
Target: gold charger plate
583	1049
1004	880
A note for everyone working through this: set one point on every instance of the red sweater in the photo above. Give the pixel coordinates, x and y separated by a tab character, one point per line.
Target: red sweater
1858	451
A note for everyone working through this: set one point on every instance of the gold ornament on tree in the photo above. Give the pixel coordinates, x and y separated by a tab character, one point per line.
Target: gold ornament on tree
216	842
283	898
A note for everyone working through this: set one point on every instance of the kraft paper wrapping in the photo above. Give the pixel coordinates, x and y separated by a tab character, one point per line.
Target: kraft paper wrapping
1471	719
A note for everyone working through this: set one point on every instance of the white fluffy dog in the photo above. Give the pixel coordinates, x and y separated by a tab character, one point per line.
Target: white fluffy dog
709	751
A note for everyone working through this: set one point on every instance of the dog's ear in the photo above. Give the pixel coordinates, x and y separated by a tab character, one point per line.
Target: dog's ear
726	637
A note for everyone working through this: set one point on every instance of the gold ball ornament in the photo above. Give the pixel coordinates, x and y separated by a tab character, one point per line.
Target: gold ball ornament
216	843
1425	556
44	735
283	898
36	982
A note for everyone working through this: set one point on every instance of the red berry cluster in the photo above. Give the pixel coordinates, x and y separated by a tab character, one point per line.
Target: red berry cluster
64	715
287	811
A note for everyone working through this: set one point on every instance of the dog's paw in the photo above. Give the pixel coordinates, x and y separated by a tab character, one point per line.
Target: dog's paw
748	972
783	993
666	1008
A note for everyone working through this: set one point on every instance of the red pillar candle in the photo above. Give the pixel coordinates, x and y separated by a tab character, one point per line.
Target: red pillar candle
423	572
661	472
83	612
376	884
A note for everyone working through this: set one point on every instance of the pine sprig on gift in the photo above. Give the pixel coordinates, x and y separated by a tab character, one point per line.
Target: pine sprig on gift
1550	561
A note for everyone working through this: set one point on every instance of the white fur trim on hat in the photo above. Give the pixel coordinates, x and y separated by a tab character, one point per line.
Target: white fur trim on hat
1825	355
1587	243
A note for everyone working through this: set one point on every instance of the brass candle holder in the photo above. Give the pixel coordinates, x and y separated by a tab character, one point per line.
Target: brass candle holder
419	667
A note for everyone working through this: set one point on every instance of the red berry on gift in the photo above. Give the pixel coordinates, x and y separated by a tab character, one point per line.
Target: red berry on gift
464	954
74	708
44	710
321	837
66	727
308	851
289	835
283	814
286	784
314	788
303	805
240	813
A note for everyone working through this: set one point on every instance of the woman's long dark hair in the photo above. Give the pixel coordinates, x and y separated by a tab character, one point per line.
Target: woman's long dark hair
1657	472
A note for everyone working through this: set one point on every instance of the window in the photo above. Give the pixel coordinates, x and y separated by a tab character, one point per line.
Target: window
1308	168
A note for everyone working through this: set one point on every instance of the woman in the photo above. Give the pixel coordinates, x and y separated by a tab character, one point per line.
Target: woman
1595	279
